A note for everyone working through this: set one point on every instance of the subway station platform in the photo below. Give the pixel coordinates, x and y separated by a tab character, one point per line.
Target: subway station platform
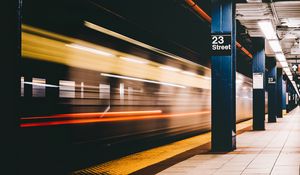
273	151
151	87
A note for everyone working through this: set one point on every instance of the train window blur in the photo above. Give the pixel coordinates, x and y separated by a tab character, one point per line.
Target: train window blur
122	91
104	91
38	87
82	90
91	91
22	87
66	89
130	91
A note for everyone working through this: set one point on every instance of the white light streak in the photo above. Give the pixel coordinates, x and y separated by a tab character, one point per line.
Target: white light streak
142	80
91	50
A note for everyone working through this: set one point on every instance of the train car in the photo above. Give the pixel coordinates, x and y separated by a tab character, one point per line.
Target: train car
79	93
90	94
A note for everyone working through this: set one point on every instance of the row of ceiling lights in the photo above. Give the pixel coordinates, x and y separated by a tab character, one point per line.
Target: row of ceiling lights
270	34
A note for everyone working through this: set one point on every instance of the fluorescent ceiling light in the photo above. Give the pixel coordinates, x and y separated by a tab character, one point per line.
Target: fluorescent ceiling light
133	60
283	64
189	73
88	49
238	81
286	69
280	57
142	80
289	74
169	68
267	29
291	22
275	45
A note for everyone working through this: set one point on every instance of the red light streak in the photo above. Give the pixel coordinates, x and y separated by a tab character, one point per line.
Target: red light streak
98	120
94	114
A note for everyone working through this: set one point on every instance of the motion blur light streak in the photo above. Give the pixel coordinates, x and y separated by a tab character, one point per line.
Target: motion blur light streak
138	43
46	46
81	121
40	84
142	80
94	114
88	49
113	97
189	73
169	68
133	60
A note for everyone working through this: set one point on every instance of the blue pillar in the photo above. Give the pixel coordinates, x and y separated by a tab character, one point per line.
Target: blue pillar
279	92
292	96
289	96
223	78
284	95
272	98
258	70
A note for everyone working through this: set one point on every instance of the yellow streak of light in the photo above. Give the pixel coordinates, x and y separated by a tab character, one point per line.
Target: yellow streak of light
46	46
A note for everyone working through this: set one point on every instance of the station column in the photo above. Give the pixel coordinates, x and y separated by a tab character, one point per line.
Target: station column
258	70
223	76
279	92
284	97
289	94
272	97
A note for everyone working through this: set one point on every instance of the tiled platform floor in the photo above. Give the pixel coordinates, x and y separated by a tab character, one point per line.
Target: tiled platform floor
274	151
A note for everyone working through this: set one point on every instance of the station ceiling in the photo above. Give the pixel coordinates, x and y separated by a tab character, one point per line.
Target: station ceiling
285	18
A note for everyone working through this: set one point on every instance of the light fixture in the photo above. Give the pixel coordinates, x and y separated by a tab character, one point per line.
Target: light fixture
288	73
283	64
267	29
280	57
169	68
142	80
286	69
89	49
275	45
133	60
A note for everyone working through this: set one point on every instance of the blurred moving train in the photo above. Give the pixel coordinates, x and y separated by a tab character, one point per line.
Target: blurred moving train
70	81
78	92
